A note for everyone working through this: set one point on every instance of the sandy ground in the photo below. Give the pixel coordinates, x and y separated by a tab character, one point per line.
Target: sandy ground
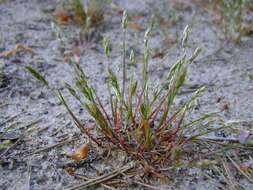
223	68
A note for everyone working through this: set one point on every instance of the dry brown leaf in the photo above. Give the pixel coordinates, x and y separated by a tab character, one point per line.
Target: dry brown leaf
158	54
63	18
70	170
149	169
81	153
17	49
174	119
78	18
245	168
134	25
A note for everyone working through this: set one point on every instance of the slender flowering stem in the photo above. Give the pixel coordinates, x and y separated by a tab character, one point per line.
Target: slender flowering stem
124	24
124	27
145	64
124	65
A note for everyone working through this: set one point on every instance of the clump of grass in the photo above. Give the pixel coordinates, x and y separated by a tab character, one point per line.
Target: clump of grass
232	18
142	121
90	16
79	12
87	17
94	11
232	13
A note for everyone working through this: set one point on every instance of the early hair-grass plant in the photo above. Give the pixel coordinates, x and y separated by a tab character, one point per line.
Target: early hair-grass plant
91	15
232	18
232	14
79	12
94	11
145	124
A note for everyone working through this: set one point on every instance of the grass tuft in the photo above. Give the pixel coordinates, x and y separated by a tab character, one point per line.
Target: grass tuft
149	128
232	15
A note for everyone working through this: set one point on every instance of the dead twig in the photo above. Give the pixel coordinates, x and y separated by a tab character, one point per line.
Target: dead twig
103	178
29	168
240	169
146	185
140	183
208	138
10	119
102	184
31	124
231	181
52	146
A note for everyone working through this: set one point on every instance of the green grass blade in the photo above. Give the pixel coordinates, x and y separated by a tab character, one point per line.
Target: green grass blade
36	75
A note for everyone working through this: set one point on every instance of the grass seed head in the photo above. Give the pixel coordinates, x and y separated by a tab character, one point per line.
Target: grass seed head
124	21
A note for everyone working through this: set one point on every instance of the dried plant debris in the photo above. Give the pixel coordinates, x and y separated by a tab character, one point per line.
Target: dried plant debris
76	12
17	49
104	178
81	153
